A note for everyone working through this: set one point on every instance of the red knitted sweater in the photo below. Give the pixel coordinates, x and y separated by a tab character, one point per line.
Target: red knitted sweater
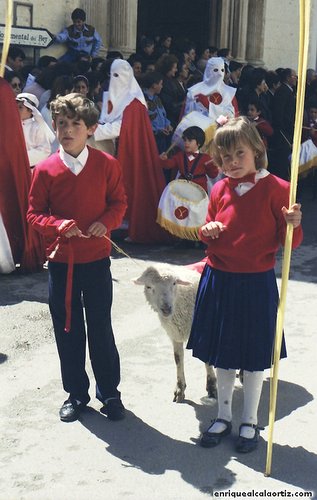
96	194
255	226
204	167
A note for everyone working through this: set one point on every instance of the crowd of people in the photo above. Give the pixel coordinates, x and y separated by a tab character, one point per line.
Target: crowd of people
166	71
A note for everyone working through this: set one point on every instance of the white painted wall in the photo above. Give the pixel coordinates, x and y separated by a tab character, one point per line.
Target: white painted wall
312	60
281	40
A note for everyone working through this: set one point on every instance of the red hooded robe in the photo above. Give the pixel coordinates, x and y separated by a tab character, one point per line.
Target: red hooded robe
26	245
143	177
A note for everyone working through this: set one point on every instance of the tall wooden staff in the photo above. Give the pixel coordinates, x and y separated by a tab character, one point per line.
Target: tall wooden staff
7	36
304	19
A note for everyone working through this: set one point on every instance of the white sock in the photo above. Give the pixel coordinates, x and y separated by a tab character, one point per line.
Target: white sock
252	388
225	385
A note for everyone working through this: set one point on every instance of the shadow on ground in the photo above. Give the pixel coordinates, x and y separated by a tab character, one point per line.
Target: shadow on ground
141	446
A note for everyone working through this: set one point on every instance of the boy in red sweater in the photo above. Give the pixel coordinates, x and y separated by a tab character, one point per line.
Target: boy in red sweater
191	164
76	198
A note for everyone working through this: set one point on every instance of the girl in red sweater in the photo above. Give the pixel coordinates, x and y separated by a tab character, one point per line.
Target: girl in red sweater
235	314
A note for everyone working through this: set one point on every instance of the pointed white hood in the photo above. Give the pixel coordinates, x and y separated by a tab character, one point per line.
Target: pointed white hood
213	81
123	88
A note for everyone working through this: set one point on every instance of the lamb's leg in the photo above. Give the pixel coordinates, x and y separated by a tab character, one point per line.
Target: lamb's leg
211	384
179	393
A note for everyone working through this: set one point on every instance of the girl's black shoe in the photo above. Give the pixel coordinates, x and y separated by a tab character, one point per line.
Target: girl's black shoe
211	439
246	445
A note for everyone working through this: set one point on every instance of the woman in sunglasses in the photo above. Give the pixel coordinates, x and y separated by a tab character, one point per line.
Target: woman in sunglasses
15	82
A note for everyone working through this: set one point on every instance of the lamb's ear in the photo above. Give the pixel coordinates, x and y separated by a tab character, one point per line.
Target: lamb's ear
138	281
182	282
150	273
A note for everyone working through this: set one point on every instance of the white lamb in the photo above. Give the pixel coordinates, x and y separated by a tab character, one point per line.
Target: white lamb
172	295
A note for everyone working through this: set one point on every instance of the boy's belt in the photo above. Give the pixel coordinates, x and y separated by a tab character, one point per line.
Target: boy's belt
189	176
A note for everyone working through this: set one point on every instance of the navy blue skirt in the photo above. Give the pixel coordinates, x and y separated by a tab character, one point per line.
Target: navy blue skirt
234	320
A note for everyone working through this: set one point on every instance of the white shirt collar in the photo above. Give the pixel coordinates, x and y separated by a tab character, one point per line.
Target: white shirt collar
244	187
191	157
74	164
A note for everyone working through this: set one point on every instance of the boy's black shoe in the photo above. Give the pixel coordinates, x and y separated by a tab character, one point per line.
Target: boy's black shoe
114	409
71	410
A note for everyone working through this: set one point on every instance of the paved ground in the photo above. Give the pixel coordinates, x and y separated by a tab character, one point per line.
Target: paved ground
152	454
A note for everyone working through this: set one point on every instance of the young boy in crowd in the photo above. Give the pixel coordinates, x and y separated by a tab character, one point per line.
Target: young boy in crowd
79	38
76	198
152	84
191	163
265	129
37	134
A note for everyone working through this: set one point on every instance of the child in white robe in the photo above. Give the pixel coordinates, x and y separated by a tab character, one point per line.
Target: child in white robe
38	136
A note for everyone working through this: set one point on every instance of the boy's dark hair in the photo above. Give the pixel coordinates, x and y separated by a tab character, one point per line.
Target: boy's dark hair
75	106
15	52
151	78
78	14
257	104
196	133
